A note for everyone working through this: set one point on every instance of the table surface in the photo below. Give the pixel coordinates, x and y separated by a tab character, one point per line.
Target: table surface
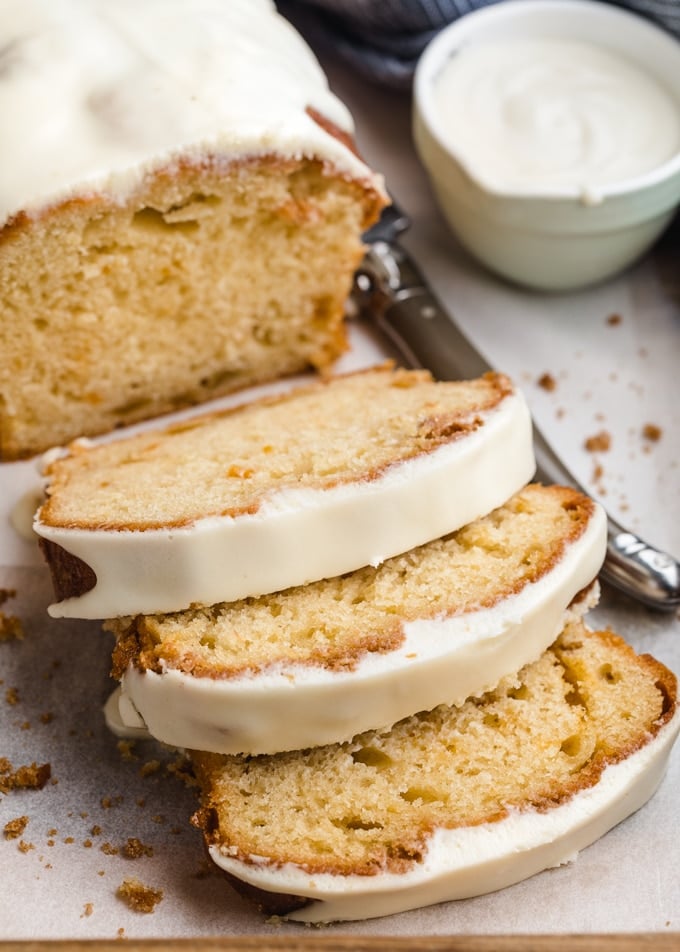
614	375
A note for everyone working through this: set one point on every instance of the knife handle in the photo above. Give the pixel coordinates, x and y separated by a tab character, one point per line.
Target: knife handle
390	289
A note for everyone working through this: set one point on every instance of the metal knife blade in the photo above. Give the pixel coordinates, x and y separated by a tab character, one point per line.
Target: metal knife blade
391	291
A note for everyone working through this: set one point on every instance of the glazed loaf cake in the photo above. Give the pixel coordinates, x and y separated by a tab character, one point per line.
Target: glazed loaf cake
279	492
323	662
181	210
452	803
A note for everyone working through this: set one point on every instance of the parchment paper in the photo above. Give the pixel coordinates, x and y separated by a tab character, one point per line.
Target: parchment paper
59	878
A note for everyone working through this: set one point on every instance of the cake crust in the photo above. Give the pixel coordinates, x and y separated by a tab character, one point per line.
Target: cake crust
608	720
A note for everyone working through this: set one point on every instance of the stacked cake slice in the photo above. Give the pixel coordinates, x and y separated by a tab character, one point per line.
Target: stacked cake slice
365	626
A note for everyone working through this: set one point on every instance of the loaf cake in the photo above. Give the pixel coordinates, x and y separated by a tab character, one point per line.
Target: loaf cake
320	663
279	492
181	210
452	803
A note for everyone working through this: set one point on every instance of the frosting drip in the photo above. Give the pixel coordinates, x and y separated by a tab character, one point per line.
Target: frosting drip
113	91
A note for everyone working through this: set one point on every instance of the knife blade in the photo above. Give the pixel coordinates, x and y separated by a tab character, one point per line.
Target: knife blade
391	291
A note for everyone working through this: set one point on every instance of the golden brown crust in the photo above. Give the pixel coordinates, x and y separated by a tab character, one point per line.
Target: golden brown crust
434	431
154	642
614	733
71	577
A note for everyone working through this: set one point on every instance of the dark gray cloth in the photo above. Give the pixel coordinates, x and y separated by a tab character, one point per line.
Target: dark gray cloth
382	39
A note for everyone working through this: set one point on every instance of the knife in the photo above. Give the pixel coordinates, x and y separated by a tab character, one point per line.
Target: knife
390	291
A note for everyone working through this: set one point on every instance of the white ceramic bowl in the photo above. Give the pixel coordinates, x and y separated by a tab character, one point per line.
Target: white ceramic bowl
550	239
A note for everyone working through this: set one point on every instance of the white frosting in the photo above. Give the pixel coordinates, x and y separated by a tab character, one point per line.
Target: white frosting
441	661
299	536
471	861
94	95
541	113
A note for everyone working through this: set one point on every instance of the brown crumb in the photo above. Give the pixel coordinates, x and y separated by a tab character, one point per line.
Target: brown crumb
652	432
109	849
6	594
68	840
15	828
150	767
96	830
547	382
12	696
25	847
47	717
182	769
599	443
139	897
125	749
87	844
108	802
614	320
135	849
11	628
88	909
33	777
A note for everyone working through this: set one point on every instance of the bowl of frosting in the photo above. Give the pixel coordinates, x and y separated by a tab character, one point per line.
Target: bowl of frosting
551	133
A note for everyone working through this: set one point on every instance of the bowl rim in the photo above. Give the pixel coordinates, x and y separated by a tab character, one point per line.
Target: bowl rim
446	41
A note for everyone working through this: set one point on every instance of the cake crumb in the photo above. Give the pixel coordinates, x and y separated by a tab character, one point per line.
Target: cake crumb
652	432
135	849
12	696
15	828
109	849
547	382
599	443
126	749
10	626
27	777
25	847
138	897
88	909
614	320
150	767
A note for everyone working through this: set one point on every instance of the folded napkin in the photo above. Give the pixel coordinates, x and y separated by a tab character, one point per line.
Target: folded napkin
383	39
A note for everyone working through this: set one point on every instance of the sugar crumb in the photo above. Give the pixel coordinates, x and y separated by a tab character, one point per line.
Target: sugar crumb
138	897
652	432
599	443
13	829
126	749
135	849
27	777
547	382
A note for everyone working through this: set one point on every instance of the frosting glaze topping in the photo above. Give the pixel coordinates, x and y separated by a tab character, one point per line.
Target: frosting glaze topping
440	661
470	861
113	91
286	542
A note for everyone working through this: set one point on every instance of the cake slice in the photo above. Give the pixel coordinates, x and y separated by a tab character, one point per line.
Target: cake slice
452	803
279	492
320	663
181	210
